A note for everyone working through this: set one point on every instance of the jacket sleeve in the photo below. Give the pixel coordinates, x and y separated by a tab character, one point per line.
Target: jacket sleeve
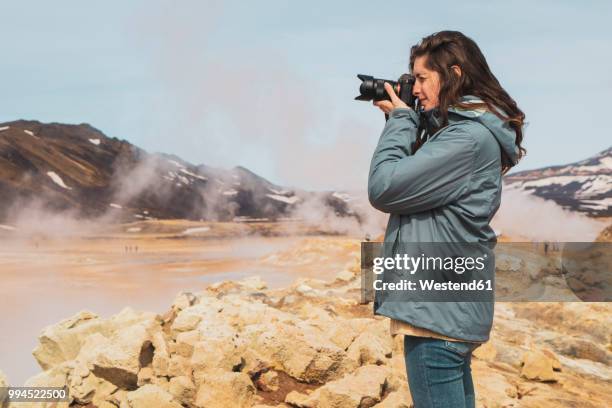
404	183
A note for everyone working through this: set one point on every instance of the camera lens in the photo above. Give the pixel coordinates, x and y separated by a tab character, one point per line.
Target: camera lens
373	88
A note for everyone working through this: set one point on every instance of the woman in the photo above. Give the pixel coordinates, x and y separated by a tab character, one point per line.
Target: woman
443	184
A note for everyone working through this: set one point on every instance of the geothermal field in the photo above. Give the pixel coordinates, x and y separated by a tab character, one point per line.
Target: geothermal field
143	266
179	313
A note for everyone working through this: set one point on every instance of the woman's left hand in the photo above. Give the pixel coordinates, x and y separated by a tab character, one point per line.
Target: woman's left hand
395	102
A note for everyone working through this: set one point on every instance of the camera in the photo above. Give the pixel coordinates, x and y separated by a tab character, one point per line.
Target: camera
373	89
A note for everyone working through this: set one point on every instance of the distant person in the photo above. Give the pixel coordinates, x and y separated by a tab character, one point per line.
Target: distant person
546	248
438	173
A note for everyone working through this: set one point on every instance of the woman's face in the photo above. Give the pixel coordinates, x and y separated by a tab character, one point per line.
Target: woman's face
427	84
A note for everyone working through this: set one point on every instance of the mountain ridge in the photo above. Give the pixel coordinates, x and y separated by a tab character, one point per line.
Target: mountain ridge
78	168
584	186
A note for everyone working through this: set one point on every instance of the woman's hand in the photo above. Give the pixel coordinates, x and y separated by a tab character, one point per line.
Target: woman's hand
395	102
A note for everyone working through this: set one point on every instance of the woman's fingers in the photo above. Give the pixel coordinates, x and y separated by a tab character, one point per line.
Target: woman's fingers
391	92
395	100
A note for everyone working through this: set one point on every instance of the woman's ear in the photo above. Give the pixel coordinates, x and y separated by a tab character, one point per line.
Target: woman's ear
457	69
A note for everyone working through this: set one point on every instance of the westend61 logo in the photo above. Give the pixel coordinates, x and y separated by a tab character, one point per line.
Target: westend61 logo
425	271
412	264
486	271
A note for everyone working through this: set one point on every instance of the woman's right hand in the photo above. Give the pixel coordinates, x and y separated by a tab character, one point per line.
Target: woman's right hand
394	103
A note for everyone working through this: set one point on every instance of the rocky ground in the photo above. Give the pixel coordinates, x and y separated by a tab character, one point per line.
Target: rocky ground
240	344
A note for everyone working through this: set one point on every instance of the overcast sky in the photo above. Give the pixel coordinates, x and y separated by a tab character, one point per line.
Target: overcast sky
269	85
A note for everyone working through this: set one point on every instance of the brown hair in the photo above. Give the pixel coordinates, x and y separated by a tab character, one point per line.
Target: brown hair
447	48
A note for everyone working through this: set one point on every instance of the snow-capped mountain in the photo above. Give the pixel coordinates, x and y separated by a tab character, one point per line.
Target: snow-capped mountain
78	168
585	186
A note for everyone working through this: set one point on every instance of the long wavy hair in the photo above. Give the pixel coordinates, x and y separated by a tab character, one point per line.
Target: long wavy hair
447	48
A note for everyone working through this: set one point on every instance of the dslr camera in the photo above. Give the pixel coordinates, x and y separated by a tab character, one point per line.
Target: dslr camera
373	89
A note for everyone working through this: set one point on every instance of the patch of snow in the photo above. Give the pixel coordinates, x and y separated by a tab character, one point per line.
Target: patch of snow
29	132
138	216
236	183
145	212
183	179
115	205
95	141
197	230
7	227
3	128
596	185
193	174
58	180
220	181
230	192
559	180
602	204
288	200
243	218
177	164
279	192
134	229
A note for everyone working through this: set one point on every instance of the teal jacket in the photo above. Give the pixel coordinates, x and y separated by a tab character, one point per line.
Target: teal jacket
448	191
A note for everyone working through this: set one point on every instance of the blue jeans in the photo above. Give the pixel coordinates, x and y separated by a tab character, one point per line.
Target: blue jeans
439	372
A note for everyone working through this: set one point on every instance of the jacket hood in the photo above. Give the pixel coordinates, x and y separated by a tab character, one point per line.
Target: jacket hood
503	133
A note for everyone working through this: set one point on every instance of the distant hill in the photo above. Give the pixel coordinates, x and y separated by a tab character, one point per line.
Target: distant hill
584	186
78	168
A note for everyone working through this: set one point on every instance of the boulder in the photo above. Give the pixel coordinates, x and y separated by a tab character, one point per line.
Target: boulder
119	357
397	399
220	389
300	400
300	352
57	376
90	389
254	283
151	395
182	389
537	366
62	341
185	342
361	389
268	381
183	300
370	349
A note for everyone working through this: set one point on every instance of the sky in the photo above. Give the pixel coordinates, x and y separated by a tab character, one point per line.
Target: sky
269	85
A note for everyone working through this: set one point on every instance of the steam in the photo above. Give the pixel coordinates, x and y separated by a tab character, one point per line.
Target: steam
248	106
314	213
523	215
34	219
